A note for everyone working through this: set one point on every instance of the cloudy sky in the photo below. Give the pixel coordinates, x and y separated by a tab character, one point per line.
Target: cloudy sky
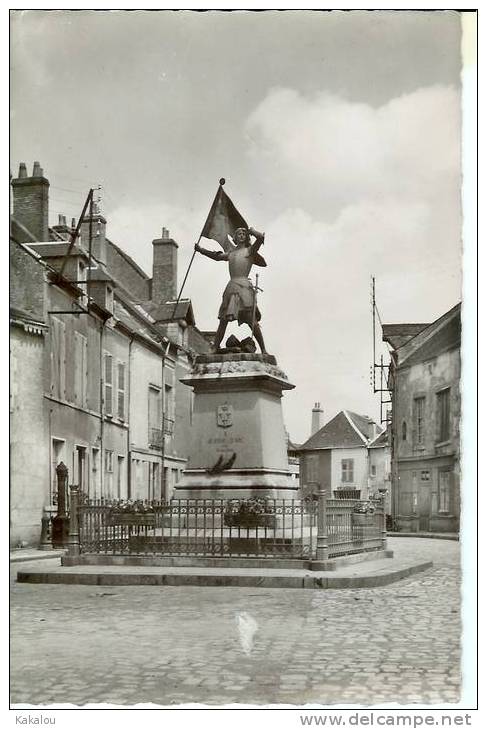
338	134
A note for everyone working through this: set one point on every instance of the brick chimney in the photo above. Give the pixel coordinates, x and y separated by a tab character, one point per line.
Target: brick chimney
164	268
98	232
316	418
62	227
31	201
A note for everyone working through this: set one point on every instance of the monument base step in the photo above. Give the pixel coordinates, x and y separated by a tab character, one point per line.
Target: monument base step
372	574
329	565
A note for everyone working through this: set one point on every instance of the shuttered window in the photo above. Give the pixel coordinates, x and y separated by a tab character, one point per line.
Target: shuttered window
347	470
58	358
443	415
418	420
121	390
80	369
108	384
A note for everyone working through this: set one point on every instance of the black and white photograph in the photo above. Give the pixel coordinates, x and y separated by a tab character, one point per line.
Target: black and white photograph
242	362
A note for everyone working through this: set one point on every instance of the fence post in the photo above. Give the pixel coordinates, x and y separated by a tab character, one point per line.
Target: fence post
46	540
73	539
322	533
383	526
60	522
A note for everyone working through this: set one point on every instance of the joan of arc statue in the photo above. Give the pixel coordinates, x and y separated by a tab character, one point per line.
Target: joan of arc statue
238	301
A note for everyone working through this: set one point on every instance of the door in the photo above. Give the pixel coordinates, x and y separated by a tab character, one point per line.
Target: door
424	507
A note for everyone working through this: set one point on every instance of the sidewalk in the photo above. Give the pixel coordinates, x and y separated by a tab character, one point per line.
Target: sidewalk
28	554
427	535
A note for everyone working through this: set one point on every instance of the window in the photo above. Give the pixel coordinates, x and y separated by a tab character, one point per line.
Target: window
425	475
373	471
169	406
108	384
80	369
418	419
155	417
404	430
443	415
347	470
109	461
444	491
58	358
121	390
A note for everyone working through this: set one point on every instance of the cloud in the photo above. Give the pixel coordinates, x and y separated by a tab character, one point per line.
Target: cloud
316	300
339	151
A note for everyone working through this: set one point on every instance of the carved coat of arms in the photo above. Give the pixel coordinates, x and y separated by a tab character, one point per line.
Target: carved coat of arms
224	416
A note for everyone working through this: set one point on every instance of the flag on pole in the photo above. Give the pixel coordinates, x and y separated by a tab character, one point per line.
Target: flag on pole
223	220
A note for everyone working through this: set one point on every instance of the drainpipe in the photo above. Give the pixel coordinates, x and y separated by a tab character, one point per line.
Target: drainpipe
129	458
102	413
163	404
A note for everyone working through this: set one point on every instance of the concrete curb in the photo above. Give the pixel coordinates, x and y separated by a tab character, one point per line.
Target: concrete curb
221	578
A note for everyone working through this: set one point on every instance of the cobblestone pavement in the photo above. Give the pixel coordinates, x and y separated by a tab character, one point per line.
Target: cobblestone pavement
173	645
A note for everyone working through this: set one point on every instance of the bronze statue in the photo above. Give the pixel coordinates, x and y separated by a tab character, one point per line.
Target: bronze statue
239	301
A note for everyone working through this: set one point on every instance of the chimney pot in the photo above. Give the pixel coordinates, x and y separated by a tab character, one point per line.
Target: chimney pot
316	418
31	201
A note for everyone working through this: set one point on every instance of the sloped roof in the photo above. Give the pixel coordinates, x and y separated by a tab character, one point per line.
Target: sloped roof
124	315
380	441
165	312
398	334
128	258
57	249
442	334
345	430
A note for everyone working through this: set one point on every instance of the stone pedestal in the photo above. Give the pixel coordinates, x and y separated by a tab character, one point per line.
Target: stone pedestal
238	447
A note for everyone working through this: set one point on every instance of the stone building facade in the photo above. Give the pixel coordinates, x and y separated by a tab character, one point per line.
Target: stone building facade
96	357
426	415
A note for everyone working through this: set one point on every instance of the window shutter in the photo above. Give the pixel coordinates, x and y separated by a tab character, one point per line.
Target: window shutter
85	372
108	384
121	391
78	375
62	361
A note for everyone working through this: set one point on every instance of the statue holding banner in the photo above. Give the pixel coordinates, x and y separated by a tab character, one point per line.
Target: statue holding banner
238	442
239	297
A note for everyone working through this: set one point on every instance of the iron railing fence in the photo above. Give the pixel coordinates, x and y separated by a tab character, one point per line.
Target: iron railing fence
353	526
199	527
261	528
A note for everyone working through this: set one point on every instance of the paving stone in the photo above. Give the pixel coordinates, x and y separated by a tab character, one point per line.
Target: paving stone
172	645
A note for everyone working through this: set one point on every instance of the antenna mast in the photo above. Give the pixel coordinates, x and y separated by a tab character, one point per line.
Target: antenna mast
384	368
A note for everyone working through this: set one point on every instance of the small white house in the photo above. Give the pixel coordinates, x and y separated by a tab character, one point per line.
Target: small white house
348	457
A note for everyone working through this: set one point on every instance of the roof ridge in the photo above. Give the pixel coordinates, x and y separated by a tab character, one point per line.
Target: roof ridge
350	420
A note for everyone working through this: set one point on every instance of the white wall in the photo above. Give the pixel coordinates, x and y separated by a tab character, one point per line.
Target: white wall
360	469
